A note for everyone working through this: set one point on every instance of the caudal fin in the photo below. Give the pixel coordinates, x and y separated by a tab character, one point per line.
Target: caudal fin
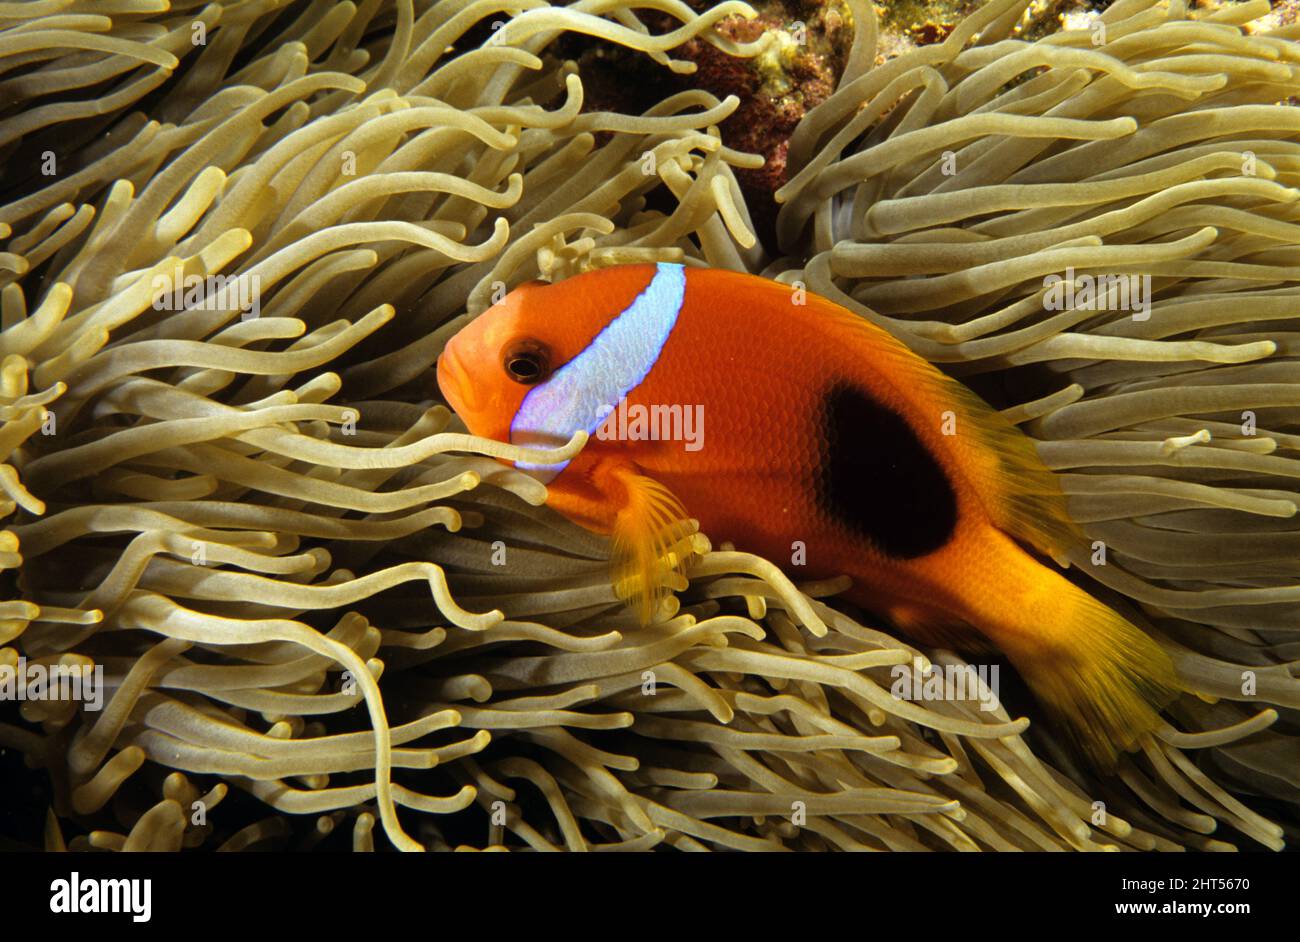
1101	677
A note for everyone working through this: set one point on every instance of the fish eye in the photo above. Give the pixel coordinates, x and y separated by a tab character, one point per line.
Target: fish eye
527	362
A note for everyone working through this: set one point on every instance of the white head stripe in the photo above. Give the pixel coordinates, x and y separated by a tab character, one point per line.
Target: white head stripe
582	392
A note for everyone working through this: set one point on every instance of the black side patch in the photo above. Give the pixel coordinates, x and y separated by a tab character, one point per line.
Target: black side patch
879	480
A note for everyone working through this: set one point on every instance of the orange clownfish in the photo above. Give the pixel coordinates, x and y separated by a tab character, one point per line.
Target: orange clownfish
771	416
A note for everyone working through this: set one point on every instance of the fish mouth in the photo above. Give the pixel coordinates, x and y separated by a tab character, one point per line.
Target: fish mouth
454	382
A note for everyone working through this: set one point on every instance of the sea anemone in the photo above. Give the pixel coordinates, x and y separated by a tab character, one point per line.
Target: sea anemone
236	237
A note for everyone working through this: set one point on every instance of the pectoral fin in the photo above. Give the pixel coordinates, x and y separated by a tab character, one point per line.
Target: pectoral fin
652	541
650	529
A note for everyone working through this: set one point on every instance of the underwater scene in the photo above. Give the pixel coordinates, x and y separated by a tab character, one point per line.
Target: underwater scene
649	425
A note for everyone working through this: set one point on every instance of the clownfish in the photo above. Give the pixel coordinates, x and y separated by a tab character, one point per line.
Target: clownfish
809	426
